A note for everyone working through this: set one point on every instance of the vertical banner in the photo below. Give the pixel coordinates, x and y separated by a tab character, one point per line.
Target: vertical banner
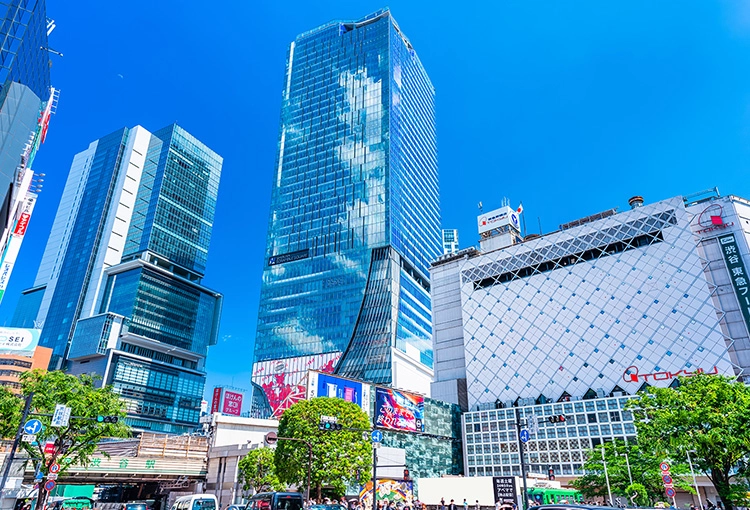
14	242
737	273
216	400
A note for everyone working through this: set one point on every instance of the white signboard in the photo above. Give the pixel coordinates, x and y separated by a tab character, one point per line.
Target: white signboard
498	218
21	341
61	418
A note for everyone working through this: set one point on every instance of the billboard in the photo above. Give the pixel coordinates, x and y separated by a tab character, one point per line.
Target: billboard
19	341
10	254
497	218
399	410
232	403
326	385
504	489
227	402
283	380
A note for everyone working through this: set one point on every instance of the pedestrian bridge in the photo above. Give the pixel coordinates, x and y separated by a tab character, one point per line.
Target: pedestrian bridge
172	461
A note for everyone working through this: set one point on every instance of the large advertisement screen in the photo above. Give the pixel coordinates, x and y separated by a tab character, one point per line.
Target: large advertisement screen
399	410
326	385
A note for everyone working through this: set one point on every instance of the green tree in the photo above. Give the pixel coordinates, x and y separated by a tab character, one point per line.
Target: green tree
644	470
339	457
10	405
257	471
707	415
75	443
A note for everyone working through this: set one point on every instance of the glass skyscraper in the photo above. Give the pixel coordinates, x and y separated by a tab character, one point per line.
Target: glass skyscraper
355	214
118	292
26	102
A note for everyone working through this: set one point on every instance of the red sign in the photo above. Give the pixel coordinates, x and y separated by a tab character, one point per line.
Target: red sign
23	222
712	218
232	403
49	448
631	374
216	400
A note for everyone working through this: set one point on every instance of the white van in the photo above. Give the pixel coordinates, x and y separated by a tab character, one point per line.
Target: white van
196	502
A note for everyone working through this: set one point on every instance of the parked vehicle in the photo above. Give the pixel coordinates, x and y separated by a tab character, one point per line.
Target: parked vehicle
276	501
196	502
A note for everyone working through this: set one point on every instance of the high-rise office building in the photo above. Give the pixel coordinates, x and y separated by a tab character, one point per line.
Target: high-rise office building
26	102
450	241
118	291
355	214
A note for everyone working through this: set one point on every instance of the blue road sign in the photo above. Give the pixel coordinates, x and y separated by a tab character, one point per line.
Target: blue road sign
377	436
49	485
32	427
524	436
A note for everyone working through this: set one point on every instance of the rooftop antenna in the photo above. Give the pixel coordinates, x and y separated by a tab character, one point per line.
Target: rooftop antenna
539	219
505	202
481	210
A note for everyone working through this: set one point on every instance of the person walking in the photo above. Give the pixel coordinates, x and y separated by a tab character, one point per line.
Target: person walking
477	506
452	505
442	503
466	504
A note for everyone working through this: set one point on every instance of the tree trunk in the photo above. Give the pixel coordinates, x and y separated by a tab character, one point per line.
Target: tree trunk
41	498
720	479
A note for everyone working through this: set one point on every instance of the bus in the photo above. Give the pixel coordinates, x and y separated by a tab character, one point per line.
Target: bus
544	496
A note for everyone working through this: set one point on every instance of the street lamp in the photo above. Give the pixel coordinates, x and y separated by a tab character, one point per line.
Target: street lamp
606	476
695	483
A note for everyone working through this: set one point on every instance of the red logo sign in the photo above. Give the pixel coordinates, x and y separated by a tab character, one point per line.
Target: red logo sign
216	400
23	222
49	448
712	218
232	403
631	374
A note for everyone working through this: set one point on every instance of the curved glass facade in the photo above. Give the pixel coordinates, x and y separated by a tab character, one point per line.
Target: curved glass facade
355	191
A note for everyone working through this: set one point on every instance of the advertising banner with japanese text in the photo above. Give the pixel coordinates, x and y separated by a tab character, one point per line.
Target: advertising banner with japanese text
399	410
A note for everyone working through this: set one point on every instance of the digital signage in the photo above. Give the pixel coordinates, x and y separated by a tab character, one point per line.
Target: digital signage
399	410
326	385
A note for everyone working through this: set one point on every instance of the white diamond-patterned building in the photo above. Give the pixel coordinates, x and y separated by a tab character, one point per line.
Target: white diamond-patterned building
593	311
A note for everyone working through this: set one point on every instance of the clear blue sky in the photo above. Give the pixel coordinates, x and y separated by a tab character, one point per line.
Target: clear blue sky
570	107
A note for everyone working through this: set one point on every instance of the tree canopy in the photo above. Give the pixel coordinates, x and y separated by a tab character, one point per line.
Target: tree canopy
257	471
339	457
75	443
707	415
644	471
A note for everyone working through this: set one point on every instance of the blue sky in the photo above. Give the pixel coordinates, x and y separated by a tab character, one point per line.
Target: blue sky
570	107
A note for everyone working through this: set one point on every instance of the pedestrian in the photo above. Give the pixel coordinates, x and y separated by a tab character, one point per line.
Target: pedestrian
442	503
477	506
466	504
452	505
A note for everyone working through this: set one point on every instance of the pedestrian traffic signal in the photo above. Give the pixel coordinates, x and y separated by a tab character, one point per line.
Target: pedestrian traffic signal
107	419
558	418
551	474
406	474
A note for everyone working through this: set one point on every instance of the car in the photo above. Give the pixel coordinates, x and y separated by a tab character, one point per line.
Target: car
236	507
327	507
136	505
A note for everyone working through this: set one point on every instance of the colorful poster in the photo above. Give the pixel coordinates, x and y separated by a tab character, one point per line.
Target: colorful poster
399	410
389	491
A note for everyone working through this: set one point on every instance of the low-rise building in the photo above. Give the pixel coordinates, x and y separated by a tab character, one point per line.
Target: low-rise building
19	353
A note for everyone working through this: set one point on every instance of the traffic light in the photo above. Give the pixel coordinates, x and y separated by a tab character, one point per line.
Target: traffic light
329	423
107	419
551	474
558	418
406	474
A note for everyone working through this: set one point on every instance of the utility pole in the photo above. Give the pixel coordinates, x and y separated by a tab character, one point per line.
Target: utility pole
523	459
19	432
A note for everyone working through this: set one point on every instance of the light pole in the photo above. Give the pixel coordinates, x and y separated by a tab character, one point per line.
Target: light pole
606	476
695	483
627	463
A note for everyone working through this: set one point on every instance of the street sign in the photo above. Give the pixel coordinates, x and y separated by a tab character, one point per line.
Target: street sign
49	485
667	480
376	445
49	448
52	476
271	438
32	427
524	436
28	438
377	436
670	492
533	424
664	466
61	417
54	468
